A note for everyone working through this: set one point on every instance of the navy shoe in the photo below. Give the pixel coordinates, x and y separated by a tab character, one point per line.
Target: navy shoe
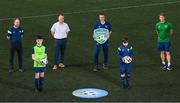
128	86
96	68
105	66
123	86
40	89
163	66
169	68
36	90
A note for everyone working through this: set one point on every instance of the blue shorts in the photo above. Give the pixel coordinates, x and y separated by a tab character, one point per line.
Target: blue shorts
125	68
39	69
164	46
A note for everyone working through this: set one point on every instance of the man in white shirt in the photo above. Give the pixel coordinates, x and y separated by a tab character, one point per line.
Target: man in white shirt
60	32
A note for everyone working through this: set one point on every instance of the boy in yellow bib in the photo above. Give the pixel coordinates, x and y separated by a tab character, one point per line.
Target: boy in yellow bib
39	56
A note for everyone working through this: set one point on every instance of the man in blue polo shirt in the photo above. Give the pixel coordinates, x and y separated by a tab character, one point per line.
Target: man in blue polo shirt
14	35
102	23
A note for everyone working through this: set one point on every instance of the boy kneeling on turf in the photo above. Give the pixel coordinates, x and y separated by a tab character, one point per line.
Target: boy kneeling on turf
39	56
125	54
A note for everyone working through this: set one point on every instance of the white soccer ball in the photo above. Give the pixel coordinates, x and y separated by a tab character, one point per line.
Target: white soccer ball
127	59
44	61
101	37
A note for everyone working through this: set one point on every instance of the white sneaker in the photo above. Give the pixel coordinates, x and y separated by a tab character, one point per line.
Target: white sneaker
61	65
54	67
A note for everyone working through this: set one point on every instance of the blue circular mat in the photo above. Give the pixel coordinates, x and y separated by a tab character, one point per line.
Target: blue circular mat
90	93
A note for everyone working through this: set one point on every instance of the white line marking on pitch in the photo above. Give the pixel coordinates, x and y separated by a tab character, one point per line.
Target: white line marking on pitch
95	10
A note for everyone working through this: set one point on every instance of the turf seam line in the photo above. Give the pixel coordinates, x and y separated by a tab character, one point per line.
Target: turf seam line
95	10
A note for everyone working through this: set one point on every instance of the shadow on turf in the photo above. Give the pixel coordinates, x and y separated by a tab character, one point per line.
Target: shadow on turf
88	68
19	85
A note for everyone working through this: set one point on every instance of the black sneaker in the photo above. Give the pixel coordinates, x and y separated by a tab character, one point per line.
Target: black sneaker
169	68
11	70
96	68
36	90
163	66
128	86
123	86
105	66
40	89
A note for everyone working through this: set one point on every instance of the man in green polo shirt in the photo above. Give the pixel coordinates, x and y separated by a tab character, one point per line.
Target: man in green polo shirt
39	56
164	32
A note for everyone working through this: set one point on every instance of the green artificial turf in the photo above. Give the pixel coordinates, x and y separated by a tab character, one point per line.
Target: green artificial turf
149	83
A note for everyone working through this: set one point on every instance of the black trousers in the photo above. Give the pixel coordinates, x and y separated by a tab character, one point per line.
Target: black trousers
16	48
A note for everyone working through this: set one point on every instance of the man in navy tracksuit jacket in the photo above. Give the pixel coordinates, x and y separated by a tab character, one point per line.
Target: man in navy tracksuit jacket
14	35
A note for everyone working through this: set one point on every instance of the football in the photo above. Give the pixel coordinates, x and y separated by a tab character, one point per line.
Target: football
127	59
44	61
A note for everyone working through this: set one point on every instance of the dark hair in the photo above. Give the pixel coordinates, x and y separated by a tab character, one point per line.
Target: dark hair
39	37
15	19
162	14
101	14
125	40
61	15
